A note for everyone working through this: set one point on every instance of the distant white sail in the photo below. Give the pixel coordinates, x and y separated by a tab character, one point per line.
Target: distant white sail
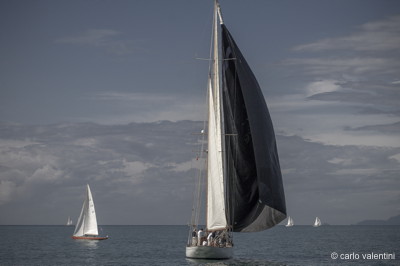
290	222
69	221
317	222
87	222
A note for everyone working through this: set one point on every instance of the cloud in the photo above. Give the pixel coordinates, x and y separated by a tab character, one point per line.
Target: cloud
395	157
383	35
385	128
150	168
95	37
132	162
107	39
340	66
348	181
7	189
132	97
322	86
125	107
349	88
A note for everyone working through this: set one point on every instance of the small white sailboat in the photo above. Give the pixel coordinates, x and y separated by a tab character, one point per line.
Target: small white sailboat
86	226
290	222
69	221
317	222
242	176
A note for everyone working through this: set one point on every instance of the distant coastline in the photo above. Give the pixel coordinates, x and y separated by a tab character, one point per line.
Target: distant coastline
395	220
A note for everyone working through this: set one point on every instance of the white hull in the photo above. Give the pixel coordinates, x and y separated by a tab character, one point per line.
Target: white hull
206	252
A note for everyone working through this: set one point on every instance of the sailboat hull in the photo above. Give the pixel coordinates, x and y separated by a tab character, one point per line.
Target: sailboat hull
90	237
207	252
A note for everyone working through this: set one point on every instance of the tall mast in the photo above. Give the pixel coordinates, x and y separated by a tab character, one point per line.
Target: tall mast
216	217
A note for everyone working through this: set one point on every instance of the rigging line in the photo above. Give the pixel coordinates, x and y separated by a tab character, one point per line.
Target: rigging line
196	211
204	30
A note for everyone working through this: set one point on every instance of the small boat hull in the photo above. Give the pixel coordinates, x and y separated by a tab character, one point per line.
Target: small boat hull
207	252
90	237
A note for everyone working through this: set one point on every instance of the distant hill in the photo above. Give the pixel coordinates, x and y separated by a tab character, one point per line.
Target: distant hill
395	220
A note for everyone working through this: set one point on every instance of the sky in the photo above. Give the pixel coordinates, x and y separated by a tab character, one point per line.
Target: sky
110	92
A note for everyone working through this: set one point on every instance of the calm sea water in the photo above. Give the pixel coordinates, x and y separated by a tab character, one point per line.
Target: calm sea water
165	245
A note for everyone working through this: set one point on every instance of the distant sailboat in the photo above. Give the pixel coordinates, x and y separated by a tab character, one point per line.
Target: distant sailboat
289	222
69	221
243	182
317	222
86	226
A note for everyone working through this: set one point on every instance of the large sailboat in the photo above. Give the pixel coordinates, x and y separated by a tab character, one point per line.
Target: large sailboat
242	180
86	226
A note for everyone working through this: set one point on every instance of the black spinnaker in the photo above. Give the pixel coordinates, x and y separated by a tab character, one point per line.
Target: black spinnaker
255	195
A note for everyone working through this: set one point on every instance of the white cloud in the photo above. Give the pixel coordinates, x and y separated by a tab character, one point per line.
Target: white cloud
381	35
341	161
7	189
87	142
355	171
353	84
95	37
188	165
322	86
46	173
395	157
130	106
346	66
133	97
11	143
102	38
135	169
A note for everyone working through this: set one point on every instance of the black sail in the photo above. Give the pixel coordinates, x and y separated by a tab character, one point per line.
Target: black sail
255	195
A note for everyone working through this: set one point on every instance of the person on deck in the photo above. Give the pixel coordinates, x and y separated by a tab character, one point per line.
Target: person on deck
210	238
200	234
194	237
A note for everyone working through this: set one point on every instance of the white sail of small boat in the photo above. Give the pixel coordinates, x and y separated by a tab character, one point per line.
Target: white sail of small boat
243	182
69	221
290	222
86	226
317	222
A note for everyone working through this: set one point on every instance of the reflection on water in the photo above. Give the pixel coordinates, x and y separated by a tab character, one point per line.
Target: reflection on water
90	244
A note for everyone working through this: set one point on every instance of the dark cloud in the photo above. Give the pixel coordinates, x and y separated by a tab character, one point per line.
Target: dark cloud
387	128
143	173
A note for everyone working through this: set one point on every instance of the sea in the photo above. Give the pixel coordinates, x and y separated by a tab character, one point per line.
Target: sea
165	245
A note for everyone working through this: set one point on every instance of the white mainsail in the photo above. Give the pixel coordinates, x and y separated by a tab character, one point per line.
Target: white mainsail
290	222
216	218
317	222
87	222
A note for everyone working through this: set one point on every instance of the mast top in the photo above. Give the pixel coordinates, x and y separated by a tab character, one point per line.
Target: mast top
217	6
